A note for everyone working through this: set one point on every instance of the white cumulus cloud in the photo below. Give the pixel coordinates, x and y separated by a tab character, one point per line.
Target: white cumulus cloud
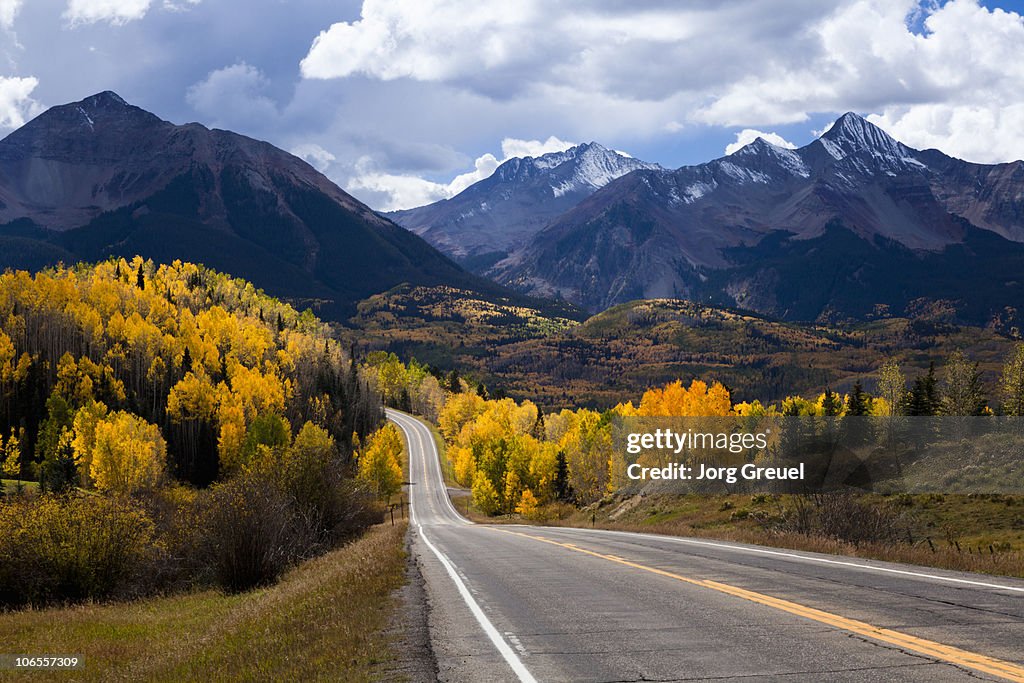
8	11
748	135
315	155
931	70
402	191
16	103
116	12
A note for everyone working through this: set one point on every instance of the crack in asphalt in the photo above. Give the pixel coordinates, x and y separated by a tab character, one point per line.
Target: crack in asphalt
917	655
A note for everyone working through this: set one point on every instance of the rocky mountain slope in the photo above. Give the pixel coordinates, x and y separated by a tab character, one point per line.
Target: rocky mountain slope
494	216
852	221
100	176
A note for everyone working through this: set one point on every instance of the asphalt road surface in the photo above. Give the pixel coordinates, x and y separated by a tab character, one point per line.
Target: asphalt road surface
529	603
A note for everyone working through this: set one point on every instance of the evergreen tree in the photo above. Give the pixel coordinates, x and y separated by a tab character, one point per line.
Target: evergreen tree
481	390
857	401
186	362
924	397
59	472
454	383
563	490
831	404
140	278
539	430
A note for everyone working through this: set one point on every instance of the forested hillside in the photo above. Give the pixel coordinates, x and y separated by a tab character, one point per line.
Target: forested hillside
128	388
201	356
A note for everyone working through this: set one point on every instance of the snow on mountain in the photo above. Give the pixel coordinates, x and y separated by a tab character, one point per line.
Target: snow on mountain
502	212
658	233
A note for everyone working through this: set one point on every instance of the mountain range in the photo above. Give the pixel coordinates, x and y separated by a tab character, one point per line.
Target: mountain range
101	177
503	212
849	223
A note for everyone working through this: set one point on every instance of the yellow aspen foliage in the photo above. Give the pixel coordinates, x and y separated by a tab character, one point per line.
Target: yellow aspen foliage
527	505
754	409
192	397
626	410
379	462
464	465
231	441
10	454
485	496
460	410
697	400
259	393
84	442
513	488
797	405
129	454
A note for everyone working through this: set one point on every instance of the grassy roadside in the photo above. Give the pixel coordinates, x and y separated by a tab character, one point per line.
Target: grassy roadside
983	534
322	621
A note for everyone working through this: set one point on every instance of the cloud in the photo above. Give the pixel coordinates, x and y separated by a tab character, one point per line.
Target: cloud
511	147
16	103
392	192
955	85
116	12
406	39
748	135
975	132
8	11
234	97
315	155
663	66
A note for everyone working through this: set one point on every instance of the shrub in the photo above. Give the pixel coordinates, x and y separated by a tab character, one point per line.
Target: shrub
55	549
253	532
843	517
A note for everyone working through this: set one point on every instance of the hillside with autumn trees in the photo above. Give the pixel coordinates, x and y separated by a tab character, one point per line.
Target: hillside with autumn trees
175	426
515	458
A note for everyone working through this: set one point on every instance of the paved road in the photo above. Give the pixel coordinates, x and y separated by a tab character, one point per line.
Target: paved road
524	603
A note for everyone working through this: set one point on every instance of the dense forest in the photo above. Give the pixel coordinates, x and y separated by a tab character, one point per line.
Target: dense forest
167	424
205	358
515	458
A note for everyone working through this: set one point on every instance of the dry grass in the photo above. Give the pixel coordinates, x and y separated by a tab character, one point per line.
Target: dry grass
983	534
322	621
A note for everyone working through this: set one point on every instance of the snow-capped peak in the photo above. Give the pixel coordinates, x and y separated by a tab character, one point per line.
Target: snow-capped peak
787	159
588	167
851	134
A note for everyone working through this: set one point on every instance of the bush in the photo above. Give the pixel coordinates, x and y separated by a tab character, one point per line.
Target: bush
253	532
56	549
843	517
333	506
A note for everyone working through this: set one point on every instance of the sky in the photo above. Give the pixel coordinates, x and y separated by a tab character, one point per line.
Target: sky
405	102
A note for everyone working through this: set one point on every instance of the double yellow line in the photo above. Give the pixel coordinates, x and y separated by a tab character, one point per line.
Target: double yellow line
928	648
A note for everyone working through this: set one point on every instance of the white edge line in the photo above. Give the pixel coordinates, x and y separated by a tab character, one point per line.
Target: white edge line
794	556
510	657
775	553
506	652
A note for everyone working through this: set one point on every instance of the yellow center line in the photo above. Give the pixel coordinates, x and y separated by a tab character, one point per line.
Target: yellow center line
947	653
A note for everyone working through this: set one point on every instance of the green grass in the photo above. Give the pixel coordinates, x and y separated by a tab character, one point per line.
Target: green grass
11	485
322	621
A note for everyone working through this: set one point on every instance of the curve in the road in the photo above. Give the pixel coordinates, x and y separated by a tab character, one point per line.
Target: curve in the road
477	581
